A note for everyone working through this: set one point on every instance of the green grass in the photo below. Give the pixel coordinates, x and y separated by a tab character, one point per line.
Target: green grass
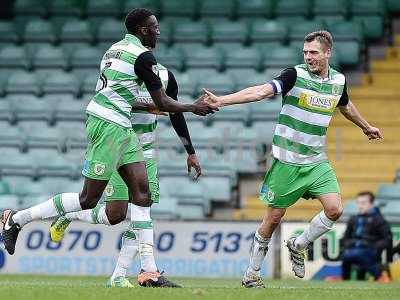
15	287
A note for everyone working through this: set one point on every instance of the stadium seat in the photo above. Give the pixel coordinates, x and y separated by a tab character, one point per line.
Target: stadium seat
280	58
71	111
6	113
31	108
330	8
75	30
167	208
153	5
373	26
11	136
8	32
347	31
49	57
66	8
265	110
60	83
9	202
221	8
243	58
389	192
111	31
30	8
75	136
290	8
247	78
186	8
299	30
191	32
15	163
370	7
171	57
5	188
234	113
349	52
217	83
38	30
44	137
267	31
88	86
22	83
70	47
350	208
203	57
393	6
254	8
187	84
103	8
86	58
14	57
392	210
225	31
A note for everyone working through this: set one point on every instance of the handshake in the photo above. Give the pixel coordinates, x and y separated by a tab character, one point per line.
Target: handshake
206	104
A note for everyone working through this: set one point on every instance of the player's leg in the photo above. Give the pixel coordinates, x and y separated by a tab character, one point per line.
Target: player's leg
280	189
322	184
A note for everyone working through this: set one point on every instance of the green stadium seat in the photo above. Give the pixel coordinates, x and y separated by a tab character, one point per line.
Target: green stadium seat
43	137
86	58
350	208
373	26
188	8
290	8
393	6
165	32
111	31
187	84
203	57
73	111
75	137
15	163
347	31
37	30
348	52
191	32
22	83
225	31
217	83
31	108
14	57
5	188
166	209
30	8
9	202
49	57
71	47
330	8
329	21
10	136
60	83
370	7
254	8
8	32
103	8
264	31
76	31
67	8
153	5
89	84
234	113
299	30
243	58
221	8
389	192
280	58
6	113
246	79
171	57
392	210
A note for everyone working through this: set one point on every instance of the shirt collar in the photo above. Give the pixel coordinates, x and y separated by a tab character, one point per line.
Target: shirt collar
318	77
132	38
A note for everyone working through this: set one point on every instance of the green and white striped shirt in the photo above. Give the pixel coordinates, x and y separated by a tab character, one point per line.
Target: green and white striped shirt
307	109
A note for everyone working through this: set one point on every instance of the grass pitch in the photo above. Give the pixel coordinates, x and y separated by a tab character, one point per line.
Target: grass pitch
16	287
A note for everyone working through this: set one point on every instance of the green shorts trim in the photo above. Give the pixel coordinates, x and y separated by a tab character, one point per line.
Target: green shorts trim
109	147
117	190
284	184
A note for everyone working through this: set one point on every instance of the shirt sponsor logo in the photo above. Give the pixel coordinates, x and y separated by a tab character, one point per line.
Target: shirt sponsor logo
317	102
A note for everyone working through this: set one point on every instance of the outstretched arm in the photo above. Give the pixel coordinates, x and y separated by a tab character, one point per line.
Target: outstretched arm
279	85
351	113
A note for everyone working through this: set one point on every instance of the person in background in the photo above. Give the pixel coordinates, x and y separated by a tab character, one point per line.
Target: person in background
366	235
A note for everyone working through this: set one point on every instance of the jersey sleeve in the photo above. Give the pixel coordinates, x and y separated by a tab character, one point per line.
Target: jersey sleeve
284	82
144	65
344	99
172	87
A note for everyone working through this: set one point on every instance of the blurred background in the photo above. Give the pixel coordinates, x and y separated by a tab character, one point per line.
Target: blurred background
49	59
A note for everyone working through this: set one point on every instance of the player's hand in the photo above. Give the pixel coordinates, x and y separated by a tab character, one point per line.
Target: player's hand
212	99
373	133
202	108
192	162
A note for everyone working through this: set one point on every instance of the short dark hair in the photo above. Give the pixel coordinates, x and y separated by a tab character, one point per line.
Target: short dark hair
322	36
136	19
369	194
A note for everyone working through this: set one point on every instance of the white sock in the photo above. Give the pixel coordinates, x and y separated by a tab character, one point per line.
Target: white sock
128	251
55	206
96	215
318	226
258	251
142	225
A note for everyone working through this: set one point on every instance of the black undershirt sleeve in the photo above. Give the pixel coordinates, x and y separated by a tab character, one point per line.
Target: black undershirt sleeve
285	81
144	65
344	99
177	119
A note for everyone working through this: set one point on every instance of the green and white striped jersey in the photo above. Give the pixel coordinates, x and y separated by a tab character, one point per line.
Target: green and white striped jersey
144	124
118	85
307	109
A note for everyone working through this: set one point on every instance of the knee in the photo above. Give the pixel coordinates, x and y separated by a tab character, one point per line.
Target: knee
116	217
88	202
275	218
334	212
142	199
